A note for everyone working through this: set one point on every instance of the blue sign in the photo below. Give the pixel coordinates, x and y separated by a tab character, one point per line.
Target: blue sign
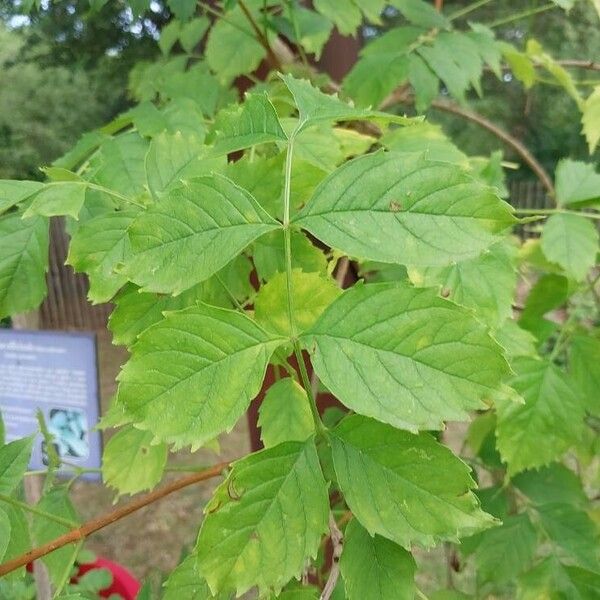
56	373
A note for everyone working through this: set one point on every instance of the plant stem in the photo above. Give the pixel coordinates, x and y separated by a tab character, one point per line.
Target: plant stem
212	11
294	21
263	40
555	211
36	511
523	14
420	594
85	530
468	9
287	234
319	427
337	541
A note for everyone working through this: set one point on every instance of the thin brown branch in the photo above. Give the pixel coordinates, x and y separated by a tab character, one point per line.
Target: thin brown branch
260	36
85	530
579	64
508	139
337	541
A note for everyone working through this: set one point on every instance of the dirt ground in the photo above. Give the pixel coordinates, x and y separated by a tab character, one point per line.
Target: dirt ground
150	542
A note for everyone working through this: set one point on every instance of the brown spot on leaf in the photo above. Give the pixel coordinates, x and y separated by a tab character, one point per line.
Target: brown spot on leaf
445	292
395	206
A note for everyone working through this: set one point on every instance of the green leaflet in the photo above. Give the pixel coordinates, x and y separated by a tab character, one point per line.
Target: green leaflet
131	462
552	484
551	420
186	583
374	567
265	520
345	14
426	138
424	81
504	552
232	48
43	530
23	263
263	178
573	531
254	122
5	528
58	198
571	241
405	487
515	340
590	119
485	283
550	579
268	254
14	458
312	294
417	211
20	541
376	76
313	29
119	164
191	234
193	374
98	247
14	192
577	183
316	107
175	158
404	355
584	365
284	414
420	13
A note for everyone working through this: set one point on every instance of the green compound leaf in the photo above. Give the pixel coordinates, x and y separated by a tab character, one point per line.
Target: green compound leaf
175	158
131	462
405	487
14	192
14	458
254	122
265	520
551	420
571	241
316	107
191	234
404	356
374	567
284	414
485	283
23	263
97	247
417	212
18	544
55	502
193	374
504	552
312	294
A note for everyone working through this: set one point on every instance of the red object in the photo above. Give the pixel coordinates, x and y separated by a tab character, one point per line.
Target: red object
124	583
